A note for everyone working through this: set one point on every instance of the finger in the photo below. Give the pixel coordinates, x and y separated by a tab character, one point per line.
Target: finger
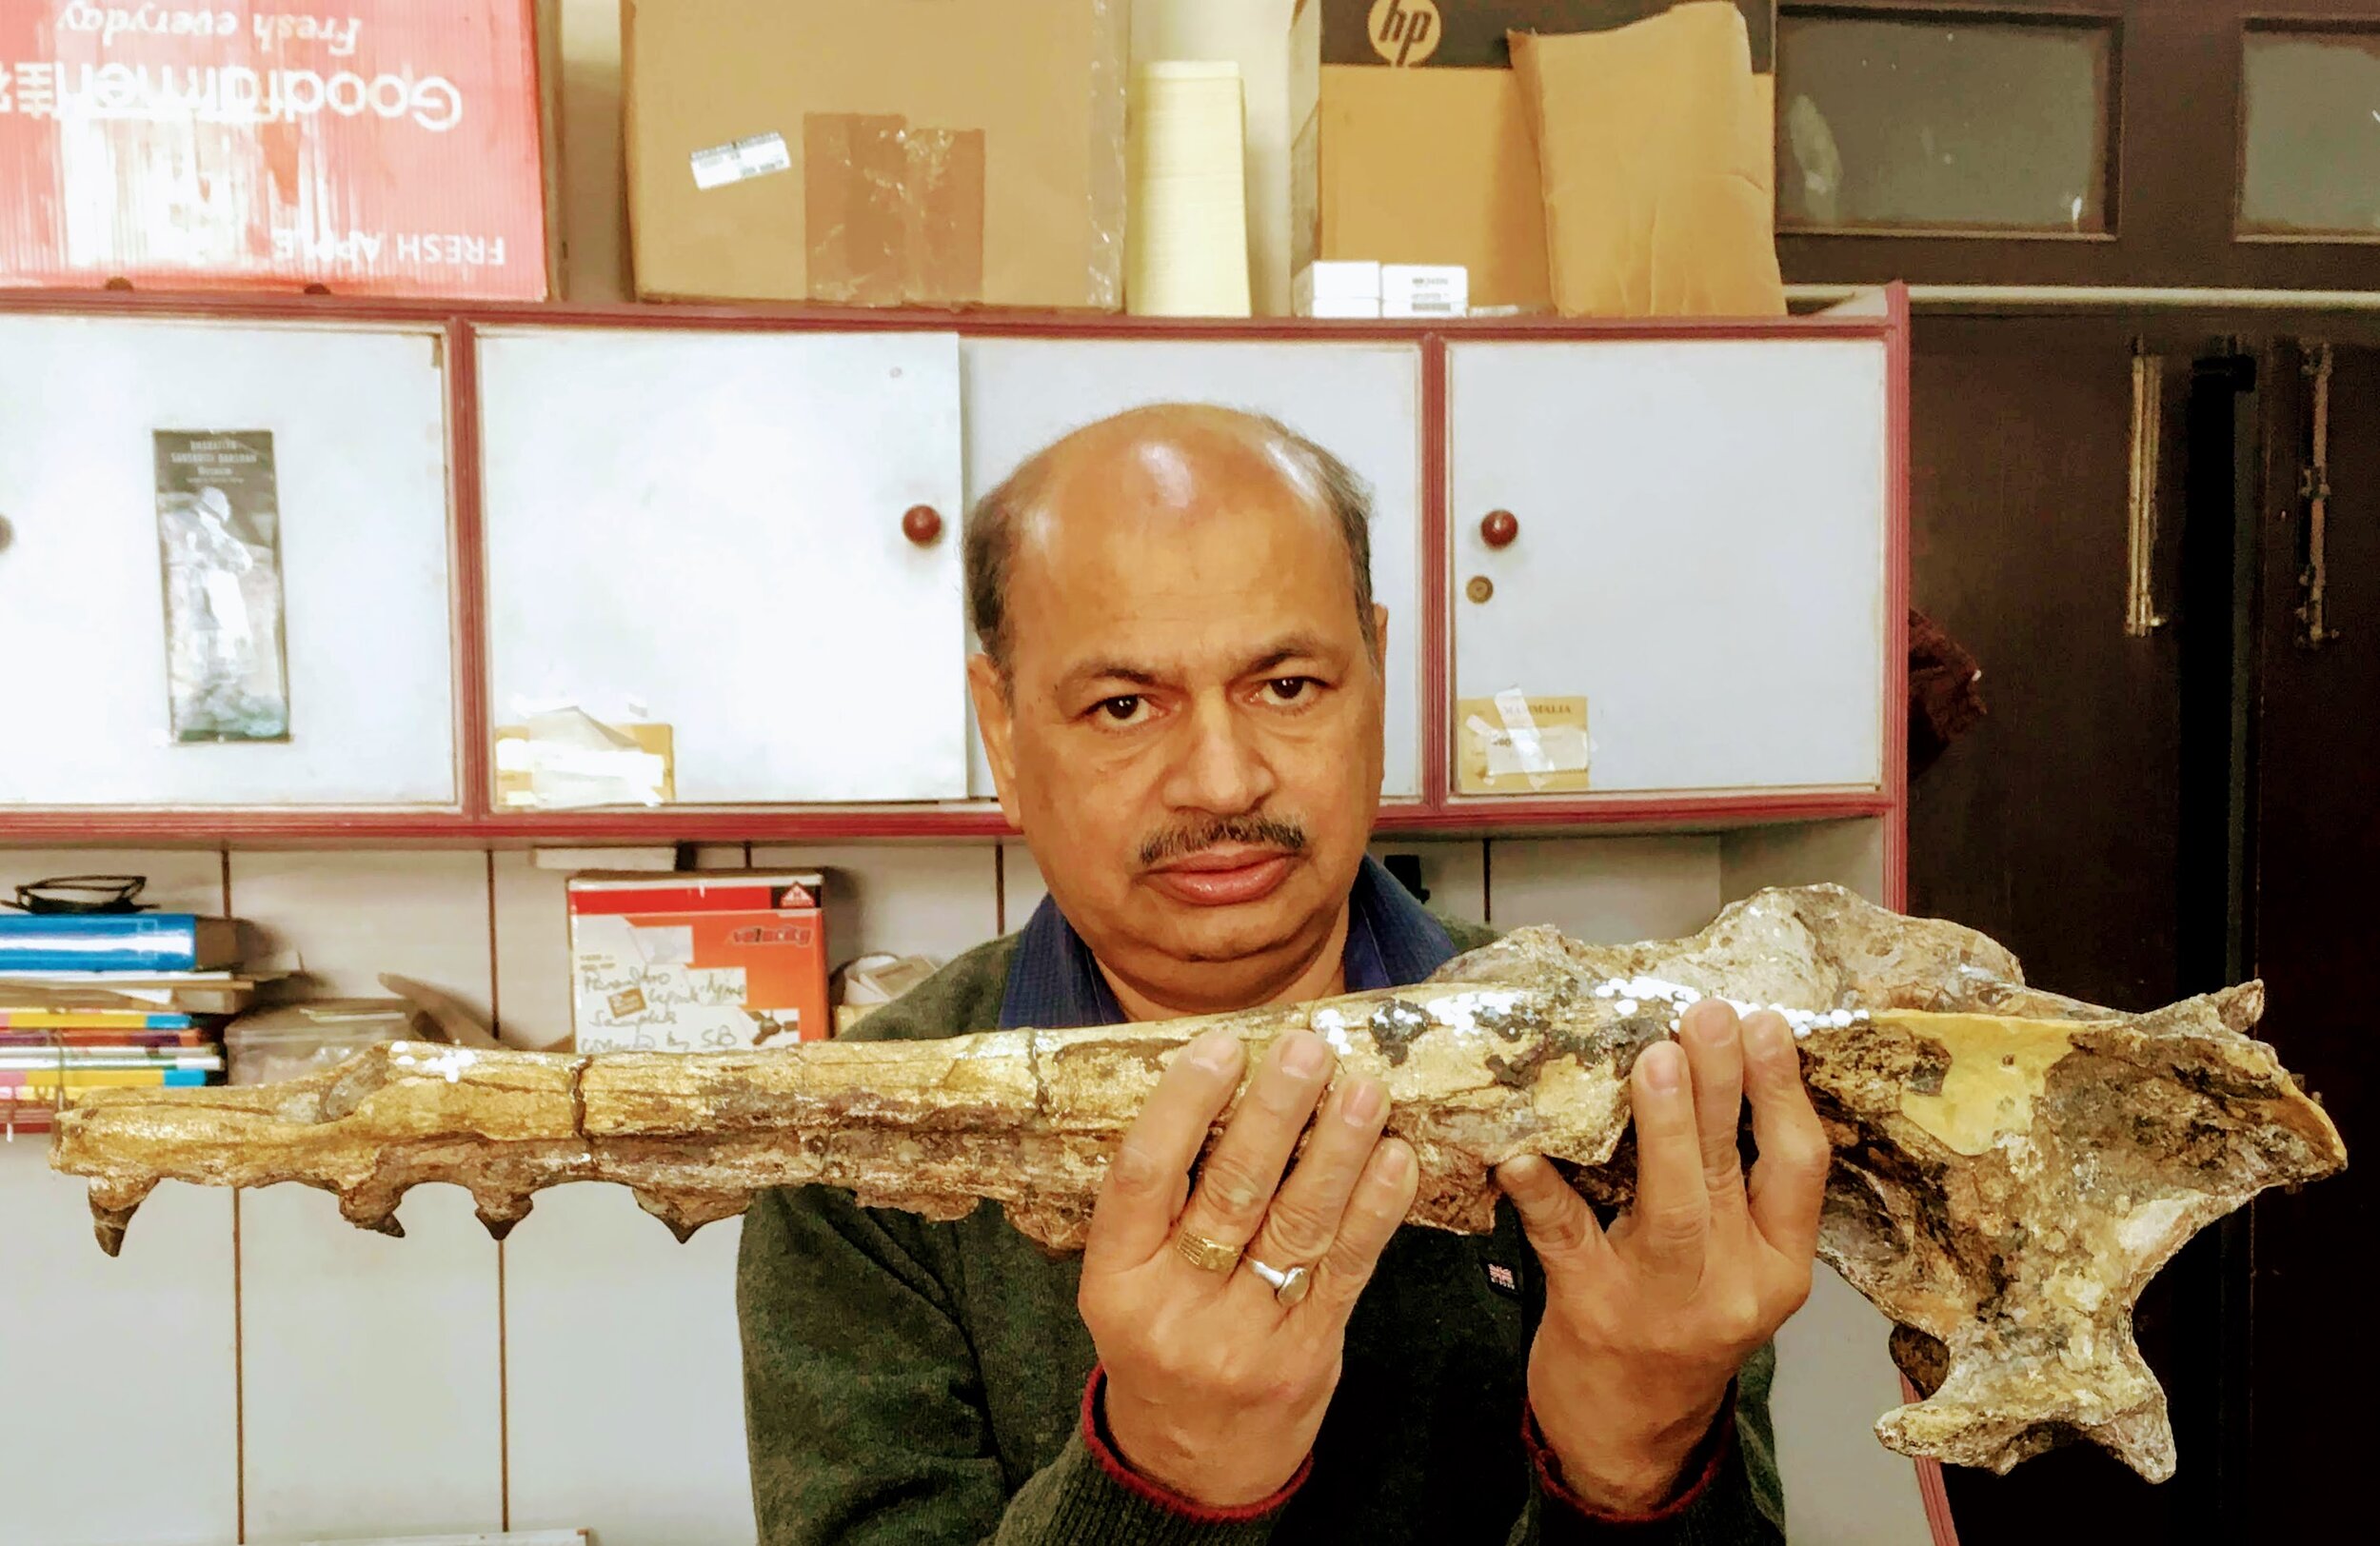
1672	1209
1561	1227
1383	1194
1305	1214
1788	1178
1150	1170
1241	1171
1714	1053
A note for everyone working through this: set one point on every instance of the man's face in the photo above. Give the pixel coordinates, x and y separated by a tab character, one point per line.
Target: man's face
1191	739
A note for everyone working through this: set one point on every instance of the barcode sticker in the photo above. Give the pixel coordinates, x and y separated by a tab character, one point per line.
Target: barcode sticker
1424	290
755	157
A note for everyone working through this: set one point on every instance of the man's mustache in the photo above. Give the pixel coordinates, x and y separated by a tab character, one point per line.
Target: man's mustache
1280	832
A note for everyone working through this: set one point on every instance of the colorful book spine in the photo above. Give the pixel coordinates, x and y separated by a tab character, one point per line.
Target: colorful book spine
109	1057
83	1079
113	942
77	1041
90	1020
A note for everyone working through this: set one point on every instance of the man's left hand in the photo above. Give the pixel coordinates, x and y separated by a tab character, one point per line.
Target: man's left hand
1647	1324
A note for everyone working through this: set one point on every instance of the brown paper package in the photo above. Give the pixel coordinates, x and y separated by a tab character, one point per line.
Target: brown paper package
1654	152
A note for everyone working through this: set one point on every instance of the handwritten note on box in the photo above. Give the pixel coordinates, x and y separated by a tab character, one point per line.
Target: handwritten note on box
708	961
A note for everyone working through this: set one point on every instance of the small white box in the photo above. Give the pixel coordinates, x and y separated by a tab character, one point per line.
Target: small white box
1337	290
1424	290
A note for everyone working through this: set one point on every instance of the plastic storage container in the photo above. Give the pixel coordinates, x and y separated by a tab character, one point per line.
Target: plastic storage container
291	1040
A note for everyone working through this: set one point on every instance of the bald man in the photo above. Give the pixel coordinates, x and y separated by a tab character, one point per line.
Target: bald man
1180	690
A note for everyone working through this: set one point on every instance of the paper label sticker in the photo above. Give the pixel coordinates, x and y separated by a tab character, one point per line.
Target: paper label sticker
755	157
1516	743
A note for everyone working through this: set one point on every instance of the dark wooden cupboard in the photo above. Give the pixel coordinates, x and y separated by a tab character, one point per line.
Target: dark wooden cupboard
2146	813
2155	143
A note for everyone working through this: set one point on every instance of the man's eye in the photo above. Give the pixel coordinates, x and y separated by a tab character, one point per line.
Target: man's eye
1123	710
1289	689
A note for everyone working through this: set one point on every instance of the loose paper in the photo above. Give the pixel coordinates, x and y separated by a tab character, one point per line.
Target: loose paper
566	759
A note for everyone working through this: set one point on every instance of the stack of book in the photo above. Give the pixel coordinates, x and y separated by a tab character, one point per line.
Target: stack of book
92	1000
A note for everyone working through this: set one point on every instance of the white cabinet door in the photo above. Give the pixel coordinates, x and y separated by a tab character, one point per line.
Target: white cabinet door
354	498
705	529
1699	552
1360	402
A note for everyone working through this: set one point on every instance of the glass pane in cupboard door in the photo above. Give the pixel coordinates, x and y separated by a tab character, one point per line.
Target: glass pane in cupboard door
1911	123
2311	161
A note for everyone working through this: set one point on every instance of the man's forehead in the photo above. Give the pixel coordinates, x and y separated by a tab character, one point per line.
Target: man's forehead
1195	602
1175	553
1183	459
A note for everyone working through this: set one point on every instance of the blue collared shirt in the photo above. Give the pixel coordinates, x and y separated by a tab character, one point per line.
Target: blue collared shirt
1055	984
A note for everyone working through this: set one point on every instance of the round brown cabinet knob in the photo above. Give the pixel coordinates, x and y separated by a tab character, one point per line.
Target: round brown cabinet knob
922	524
1499	528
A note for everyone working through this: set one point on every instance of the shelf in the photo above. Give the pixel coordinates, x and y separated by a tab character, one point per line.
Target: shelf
845	824
797	318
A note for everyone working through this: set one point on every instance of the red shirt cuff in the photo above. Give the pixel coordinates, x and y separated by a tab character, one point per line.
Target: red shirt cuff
1703	1466
1103	1450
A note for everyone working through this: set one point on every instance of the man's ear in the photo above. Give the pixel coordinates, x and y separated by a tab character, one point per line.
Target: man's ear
995	717
1380	635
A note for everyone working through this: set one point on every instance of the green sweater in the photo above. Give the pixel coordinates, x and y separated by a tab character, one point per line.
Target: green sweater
924	1383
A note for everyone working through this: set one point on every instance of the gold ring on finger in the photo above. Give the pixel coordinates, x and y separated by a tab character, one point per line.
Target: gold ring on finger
1288	1287
1205	1255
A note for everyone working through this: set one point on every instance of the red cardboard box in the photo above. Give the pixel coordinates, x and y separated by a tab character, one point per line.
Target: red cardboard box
710	960
372	148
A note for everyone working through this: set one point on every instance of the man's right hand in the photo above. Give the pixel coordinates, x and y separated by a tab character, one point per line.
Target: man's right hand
1215	1389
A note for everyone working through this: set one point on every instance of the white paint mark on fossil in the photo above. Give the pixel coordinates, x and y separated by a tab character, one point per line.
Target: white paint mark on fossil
1462	1013
447	1065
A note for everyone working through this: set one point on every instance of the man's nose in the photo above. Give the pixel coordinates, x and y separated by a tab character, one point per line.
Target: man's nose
1219	765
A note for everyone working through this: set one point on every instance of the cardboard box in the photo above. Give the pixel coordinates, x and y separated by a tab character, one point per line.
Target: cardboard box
1429	167
1438	165
1337	289
379	148
1424	290
697	962
1409	32
936	152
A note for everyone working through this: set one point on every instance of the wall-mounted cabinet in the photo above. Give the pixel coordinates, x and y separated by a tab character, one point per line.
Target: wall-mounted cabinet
729	543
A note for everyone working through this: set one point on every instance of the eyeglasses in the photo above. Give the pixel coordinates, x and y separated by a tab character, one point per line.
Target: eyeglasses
83	894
